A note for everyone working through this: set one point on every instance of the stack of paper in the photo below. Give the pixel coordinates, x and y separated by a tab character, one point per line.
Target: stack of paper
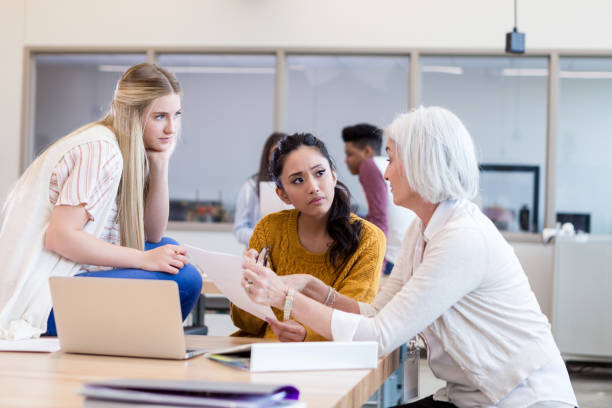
42	345
225	271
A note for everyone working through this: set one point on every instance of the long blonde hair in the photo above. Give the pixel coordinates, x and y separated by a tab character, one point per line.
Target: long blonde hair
138	87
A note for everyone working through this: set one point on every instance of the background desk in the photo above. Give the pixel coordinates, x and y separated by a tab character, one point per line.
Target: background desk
52	380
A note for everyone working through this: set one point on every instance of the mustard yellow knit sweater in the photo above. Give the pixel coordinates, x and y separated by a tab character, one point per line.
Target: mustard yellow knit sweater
358	279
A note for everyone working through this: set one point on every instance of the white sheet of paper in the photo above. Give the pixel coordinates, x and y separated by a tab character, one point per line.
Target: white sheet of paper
43	345
225	271
269	201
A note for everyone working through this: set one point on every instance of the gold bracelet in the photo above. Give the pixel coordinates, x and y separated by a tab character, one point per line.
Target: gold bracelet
288	304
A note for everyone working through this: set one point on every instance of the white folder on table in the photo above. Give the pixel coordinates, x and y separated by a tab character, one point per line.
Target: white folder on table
316	355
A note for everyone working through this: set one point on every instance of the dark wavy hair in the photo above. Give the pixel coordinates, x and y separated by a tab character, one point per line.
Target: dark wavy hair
263	174
339	226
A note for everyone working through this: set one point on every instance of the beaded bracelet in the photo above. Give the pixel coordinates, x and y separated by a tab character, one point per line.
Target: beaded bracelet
288	304
333	300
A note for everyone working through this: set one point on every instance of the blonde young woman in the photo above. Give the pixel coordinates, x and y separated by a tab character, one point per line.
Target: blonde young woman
457	283
96	203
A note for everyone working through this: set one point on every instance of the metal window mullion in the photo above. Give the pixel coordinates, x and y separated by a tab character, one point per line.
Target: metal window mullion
414	81
280	91
551	140
28	110
152	56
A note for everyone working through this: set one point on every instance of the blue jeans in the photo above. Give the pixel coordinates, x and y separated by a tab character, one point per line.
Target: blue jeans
188	279
388	268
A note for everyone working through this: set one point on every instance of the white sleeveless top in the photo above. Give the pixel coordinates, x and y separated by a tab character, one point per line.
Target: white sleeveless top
25	299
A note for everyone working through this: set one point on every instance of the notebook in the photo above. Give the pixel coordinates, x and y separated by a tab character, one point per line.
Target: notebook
121	317
187	393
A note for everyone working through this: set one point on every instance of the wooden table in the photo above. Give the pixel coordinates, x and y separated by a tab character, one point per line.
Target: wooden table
209	288
53	379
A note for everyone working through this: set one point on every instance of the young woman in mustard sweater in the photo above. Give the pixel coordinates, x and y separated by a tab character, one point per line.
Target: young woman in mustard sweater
320	237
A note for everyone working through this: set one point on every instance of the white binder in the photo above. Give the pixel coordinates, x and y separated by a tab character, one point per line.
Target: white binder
317	355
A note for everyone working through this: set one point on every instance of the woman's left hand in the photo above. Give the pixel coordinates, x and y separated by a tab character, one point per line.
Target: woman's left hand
287	331
262	285
297	281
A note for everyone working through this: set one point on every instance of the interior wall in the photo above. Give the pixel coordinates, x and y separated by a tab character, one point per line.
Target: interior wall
386	23
11	51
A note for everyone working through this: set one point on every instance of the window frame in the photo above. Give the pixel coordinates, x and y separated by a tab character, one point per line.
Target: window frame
281	77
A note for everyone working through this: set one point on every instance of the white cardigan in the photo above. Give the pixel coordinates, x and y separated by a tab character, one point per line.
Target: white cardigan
25	299
470	291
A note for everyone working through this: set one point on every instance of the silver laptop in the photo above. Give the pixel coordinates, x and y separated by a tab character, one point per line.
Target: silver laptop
121	317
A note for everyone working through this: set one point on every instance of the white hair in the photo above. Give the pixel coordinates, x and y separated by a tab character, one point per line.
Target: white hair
437	153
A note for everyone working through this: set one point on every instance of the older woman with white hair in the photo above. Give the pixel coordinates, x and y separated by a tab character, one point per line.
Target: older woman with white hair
457	283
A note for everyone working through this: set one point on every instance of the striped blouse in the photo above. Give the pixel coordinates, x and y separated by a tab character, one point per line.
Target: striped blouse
83	176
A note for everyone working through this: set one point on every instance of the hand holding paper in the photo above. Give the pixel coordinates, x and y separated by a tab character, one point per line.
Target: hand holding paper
265	287
225	271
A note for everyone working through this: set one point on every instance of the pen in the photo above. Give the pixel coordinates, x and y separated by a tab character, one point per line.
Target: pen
262	258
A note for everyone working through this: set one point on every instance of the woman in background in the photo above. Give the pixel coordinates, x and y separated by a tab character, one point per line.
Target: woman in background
95	203
247	205
319	236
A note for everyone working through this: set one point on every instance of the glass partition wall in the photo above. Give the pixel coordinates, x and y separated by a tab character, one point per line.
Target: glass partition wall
72	90
502	102
584	143
228	108
326	93
232	102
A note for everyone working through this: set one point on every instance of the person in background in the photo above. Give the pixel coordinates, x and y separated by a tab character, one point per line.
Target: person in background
247	205
319	236
362	145
95	203
457	283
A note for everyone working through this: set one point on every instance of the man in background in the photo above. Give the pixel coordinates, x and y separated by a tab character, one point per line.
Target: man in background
362	146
